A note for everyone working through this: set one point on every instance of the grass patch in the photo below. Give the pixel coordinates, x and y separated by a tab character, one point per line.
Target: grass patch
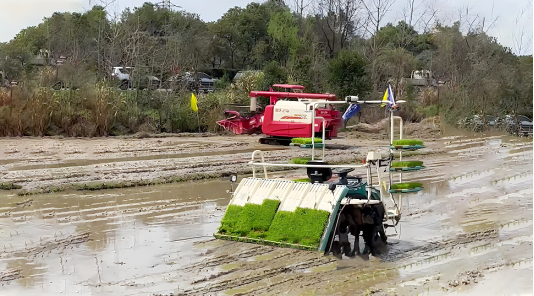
303	180
300	160
304	226
406	185
407	142
304	141
406	164
9	186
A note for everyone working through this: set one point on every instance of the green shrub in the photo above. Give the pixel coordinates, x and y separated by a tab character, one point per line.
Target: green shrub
429	111
407	142
9	186
300	160
406	164
305	141
406	185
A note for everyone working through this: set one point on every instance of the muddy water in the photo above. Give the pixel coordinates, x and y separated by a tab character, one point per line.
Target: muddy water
137	240
474	214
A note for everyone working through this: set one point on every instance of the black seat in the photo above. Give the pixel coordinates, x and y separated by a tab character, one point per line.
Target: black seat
318	175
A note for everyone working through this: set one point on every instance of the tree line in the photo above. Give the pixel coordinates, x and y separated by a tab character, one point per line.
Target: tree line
336	46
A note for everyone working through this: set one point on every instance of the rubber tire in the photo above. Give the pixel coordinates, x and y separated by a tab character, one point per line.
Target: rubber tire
124	85
382	234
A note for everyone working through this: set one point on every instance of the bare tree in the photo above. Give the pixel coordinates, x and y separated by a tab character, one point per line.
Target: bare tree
419	14
301	6
521	41
339	22
474	23
376	11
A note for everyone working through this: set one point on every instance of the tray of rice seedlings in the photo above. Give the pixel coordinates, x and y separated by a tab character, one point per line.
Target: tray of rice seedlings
405	187
306	142
300	160
406	166
282	213
303	180
253	223
406	144
248	222
300	229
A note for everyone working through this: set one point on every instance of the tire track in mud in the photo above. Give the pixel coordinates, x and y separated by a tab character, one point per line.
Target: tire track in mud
48	246
256	273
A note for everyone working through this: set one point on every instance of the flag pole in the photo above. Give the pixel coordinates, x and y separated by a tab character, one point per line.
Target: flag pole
198	119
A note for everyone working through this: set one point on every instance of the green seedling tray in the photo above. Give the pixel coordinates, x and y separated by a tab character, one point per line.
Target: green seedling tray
406	147
415	168
406	190
317	145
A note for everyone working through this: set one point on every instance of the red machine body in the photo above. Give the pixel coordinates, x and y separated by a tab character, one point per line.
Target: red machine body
289	115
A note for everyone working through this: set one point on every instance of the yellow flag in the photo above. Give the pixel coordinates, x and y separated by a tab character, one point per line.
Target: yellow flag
384	99
194	106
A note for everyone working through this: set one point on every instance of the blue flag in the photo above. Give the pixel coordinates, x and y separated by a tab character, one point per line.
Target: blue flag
388	100
351	111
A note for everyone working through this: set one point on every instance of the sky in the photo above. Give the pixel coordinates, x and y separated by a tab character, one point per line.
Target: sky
512	19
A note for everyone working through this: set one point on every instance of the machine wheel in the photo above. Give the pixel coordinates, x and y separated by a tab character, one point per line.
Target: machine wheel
58	85
275	141
124	85
382	233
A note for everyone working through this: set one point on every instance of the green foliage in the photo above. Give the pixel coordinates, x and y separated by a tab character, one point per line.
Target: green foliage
273	74
224	82
406	185
300	160
347	75
283	30
304	226
481	76
305	141
429	111
407	142
406	164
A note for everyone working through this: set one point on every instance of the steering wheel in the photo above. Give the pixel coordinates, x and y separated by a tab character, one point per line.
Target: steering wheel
338	171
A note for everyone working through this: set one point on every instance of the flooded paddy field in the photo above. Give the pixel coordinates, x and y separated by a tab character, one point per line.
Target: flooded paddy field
468	233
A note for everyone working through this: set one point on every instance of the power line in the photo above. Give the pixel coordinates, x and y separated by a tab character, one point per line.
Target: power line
166	4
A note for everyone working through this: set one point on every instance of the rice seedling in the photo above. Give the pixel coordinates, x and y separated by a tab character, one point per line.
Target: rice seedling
230	219
303	180
406	142
255	219
304	226
406	164
300	160
304	141
411	185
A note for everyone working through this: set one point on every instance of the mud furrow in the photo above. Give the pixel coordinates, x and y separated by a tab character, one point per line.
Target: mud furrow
258	275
